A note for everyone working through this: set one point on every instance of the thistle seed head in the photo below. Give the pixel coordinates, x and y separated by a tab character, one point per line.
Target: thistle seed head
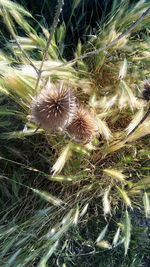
54	107
146	91
83	127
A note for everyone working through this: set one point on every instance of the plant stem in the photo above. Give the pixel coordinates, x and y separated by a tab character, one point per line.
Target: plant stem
129	29
53	27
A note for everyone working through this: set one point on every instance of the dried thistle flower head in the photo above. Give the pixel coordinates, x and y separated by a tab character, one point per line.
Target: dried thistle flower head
146	91
54	107
83	127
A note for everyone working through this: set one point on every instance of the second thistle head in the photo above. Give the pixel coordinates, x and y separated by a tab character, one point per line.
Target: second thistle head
54	107
83	126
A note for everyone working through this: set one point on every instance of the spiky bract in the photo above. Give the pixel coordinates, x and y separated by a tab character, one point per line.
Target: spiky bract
83	127
54	107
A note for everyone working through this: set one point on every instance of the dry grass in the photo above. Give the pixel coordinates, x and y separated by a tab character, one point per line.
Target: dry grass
53	184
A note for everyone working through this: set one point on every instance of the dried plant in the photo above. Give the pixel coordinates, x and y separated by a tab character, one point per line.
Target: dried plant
76	179
83	126
54	107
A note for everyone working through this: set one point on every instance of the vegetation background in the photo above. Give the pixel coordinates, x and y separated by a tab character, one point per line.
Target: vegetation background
94	209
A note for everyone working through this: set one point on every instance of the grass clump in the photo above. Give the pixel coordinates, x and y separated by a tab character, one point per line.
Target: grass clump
56	190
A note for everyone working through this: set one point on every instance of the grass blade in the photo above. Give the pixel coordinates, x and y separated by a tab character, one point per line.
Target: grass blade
123	69
116	237
102	234
106	203
47	255
13	258
146	202
127	232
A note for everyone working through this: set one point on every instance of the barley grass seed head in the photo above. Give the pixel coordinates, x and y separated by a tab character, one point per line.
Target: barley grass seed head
54	107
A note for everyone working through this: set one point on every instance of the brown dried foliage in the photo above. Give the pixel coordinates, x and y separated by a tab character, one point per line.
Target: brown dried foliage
54	107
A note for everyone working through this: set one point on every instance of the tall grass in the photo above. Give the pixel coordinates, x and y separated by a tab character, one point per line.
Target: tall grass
62	200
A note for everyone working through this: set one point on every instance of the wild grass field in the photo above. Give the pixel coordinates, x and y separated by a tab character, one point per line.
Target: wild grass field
75	175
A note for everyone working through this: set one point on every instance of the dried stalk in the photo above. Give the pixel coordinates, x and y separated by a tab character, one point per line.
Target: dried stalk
129	29
53	27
